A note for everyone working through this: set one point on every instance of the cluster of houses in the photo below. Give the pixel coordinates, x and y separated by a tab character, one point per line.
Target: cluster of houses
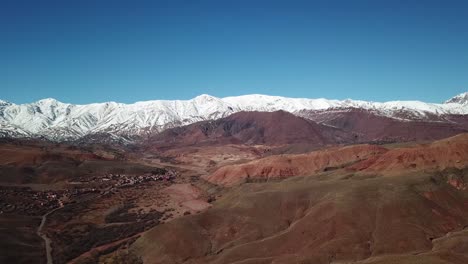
125	180
25	201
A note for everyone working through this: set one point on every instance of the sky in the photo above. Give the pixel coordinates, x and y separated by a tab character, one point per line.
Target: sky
96	50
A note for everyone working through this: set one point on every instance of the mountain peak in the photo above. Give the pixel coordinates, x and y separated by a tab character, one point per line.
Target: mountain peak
204	98
459	99
48	101
3	102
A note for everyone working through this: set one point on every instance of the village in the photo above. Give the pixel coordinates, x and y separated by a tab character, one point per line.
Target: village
126	180
26	201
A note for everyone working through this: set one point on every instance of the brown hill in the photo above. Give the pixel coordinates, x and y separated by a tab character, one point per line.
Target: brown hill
368	126
269	128
447	153
363	159
282	166
24	161
32	155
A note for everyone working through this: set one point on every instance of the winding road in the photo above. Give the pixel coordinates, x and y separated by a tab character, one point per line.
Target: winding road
47	240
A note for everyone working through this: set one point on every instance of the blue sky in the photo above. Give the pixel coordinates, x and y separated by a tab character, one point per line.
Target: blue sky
93	51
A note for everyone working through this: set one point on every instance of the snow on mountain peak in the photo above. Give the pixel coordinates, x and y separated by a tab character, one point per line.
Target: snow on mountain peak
459	99
205	98
48	101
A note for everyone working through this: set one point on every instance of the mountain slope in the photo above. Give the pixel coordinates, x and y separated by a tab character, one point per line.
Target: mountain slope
369	126
61	121
254	128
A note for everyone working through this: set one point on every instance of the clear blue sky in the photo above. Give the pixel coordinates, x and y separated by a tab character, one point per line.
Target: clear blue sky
95	50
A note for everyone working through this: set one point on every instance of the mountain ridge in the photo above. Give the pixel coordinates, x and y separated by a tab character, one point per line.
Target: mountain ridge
54	120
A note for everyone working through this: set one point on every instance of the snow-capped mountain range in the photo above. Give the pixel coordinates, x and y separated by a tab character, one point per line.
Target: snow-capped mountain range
59	121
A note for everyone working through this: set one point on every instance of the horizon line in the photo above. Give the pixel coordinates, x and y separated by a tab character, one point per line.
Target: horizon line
232	96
